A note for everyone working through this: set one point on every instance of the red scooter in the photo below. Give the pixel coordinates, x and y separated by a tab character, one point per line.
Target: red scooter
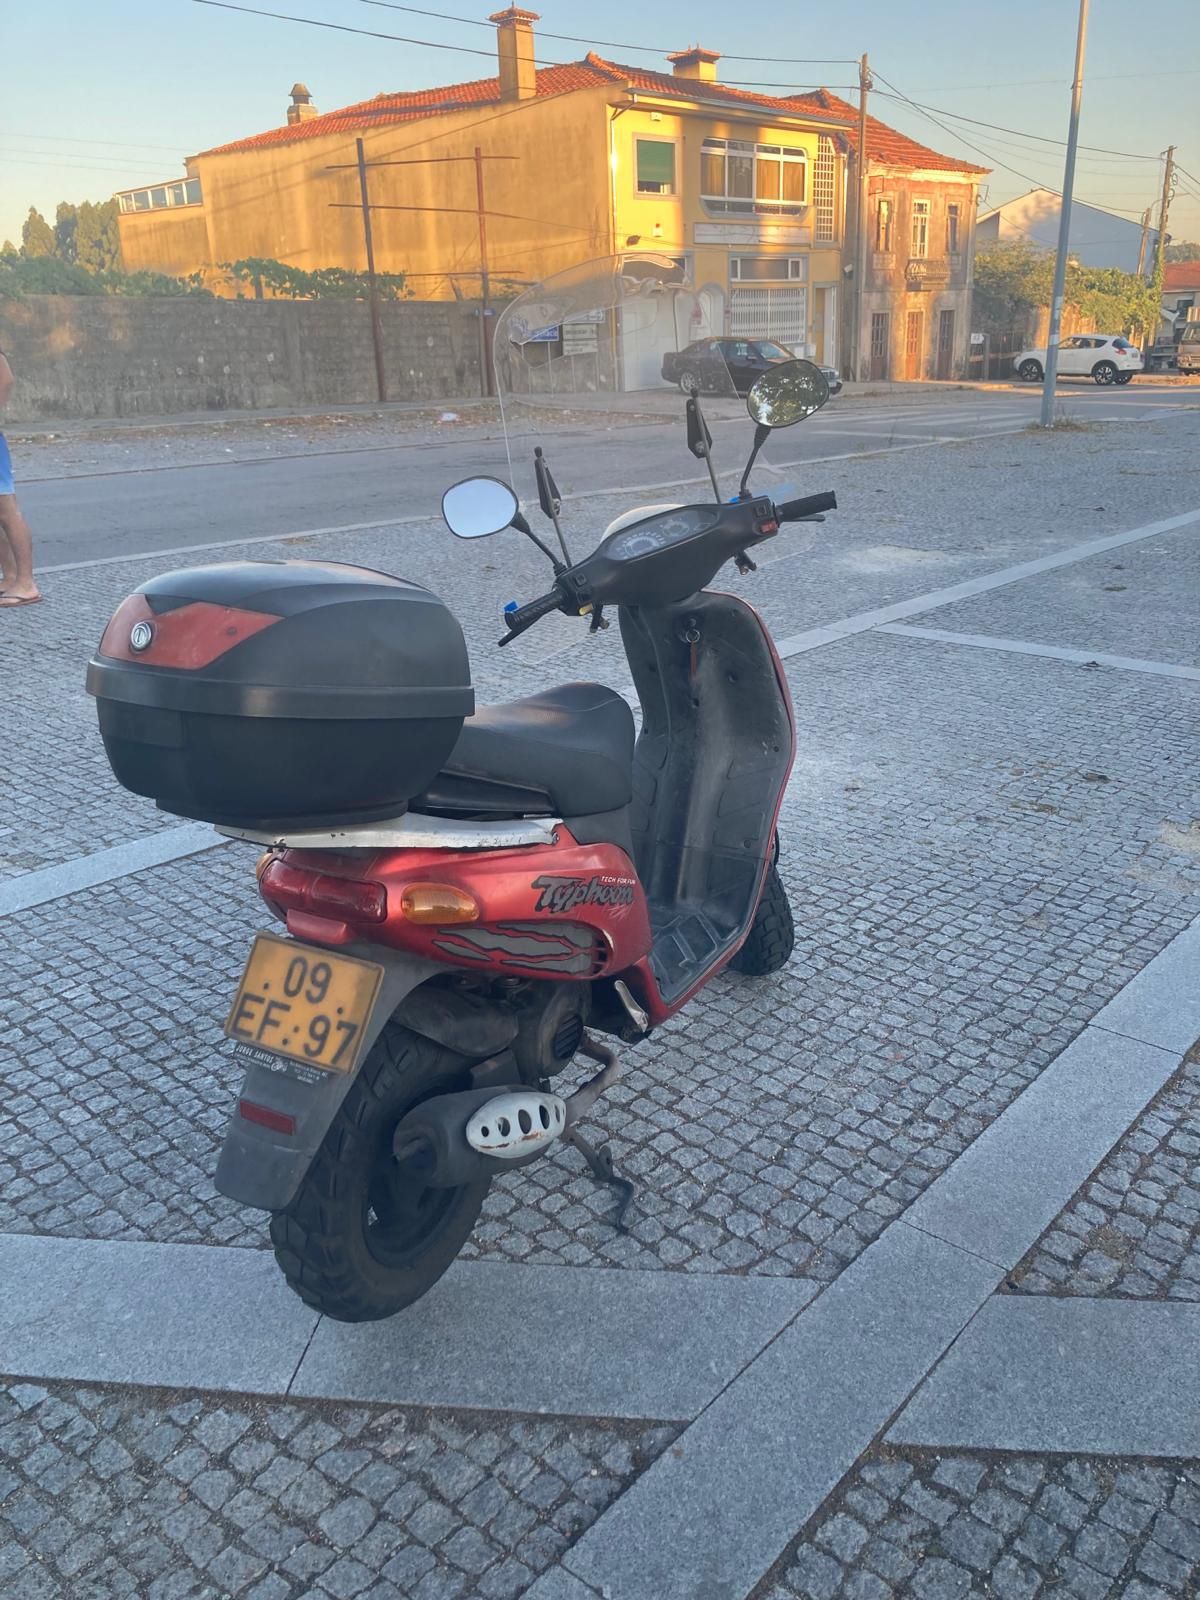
558	880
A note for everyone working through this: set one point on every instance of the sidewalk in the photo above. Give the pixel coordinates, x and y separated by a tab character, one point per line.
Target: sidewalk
910	1300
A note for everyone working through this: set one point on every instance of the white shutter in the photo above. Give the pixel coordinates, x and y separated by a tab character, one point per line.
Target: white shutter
770	311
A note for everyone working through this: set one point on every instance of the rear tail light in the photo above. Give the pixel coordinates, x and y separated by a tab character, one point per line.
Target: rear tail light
345	899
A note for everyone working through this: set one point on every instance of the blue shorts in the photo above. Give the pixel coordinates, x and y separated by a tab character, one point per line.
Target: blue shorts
7	486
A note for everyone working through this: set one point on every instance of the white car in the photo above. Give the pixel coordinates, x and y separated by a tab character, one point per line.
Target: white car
1105	357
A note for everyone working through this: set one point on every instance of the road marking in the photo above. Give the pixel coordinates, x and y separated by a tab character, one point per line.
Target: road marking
814	638
231	544
432	516
1022	647
54	883
104	866
803	1412
1077	1375
225	1320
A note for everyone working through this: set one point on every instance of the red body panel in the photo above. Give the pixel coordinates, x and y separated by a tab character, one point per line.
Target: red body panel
192	636
563	910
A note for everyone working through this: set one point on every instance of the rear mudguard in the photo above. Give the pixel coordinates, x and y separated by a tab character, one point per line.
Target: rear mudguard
259	1166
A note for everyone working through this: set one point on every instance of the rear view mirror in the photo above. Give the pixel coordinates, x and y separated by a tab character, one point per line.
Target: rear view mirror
477	507
788	393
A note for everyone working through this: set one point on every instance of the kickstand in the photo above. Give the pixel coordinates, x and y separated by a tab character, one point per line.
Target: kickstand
600	1163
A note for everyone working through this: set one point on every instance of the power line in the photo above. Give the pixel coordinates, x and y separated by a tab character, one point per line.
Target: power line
612	44
122	144
954	134
367	33
1020	133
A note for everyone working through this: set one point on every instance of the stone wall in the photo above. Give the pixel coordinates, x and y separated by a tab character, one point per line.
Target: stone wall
106	356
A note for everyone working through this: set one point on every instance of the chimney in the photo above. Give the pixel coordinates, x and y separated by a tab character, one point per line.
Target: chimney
514	46
301	108
697	63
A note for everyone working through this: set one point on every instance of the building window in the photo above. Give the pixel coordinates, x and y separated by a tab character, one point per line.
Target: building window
883	227
768	269
920	229
825	192
953	214
767	179
183	193
655	166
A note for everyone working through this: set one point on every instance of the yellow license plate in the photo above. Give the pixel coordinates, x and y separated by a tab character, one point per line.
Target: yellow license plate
307	1004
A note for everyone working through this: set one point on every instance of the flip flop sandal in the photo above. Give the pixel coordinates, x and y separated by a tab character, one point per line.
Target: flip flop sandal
9	602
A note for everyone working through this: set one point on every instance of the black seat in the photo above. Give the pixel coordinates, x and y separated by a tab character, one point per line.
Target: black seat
567	751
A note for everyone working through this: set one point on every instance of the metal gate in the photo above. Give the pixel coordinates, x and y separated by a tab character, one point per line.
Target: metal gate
770	311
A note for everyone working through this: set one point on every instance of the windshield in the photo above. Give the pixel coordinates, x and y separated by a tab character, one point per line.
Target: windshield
604	355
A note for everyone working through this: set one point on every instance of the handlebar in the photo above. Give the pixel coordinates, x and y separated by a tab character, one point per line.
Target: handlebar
578	588
525	616
807	506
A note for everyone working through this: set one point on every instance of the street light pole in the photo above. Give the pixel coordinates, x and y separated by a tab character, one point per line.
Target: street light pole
1064	228
860	223
372	284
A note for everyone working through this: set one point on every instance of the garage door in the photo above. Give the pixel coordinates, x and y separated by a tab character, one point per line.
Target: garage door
770	311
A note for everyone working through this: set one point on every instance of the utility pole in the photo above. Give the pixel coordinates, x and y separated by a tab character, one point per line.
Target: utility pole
1064	227
372	286
860	224
485	312
1146	215
1164	211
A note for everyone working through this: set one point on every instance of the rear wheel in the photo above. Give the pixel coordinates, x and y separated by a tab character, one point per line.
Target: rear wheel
1030	371
689	381
772	935
1104	372
361	1240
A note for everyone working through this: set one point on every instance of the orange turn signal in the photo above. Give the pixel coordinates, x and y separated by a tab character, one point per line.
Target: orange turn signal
438	903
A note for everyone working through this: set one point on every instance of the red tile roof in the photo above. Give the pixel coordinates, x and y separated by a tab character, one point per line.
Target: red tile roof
883	143
1180	275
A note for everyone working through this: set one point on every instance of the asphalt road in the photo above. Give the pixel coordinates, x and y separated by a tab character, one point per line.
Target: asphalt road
131	509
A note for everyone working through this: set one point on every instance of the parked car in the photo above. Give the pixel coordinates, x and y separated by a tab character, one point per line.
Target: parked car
1187	351
832	377
1104	357
703	365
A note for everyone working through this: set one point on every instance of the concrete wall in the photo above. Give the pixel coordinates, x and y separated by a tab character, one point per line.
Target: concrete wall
106	356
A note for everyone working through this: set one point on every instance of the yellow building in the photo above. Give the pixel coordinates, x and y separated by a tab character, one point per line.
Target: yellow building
585	159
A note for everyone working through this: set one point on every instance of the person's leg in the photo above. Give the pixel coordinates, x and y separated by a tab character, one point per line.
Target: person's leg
16	541
16	552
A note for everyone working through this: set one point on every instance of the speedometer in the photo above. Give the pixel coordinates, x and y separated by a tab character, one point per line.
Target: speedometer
659	533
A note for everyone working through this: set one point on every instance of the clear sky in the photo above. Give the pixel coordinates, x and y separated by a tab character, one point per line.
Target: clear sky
97	95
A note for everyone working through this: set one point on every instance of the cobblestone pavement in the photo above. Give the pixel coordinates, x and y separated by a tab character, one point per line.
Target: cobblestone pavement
945	1527
968	894
981	848
908	524
1134	1229
148	1495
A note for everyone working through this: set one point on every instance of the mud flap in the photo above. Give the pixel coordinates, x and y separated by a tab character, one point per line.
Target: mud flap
262	1166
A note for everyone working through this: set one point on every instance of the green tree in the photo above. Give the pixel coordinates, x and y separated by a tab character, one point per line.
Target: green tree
8	248
1185	250
293	283
97	237
37	236
1012	279
66	219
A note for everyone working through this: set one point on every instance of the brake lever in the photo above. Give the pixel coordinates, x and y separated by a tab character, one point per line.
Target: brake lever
744	564
599	621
